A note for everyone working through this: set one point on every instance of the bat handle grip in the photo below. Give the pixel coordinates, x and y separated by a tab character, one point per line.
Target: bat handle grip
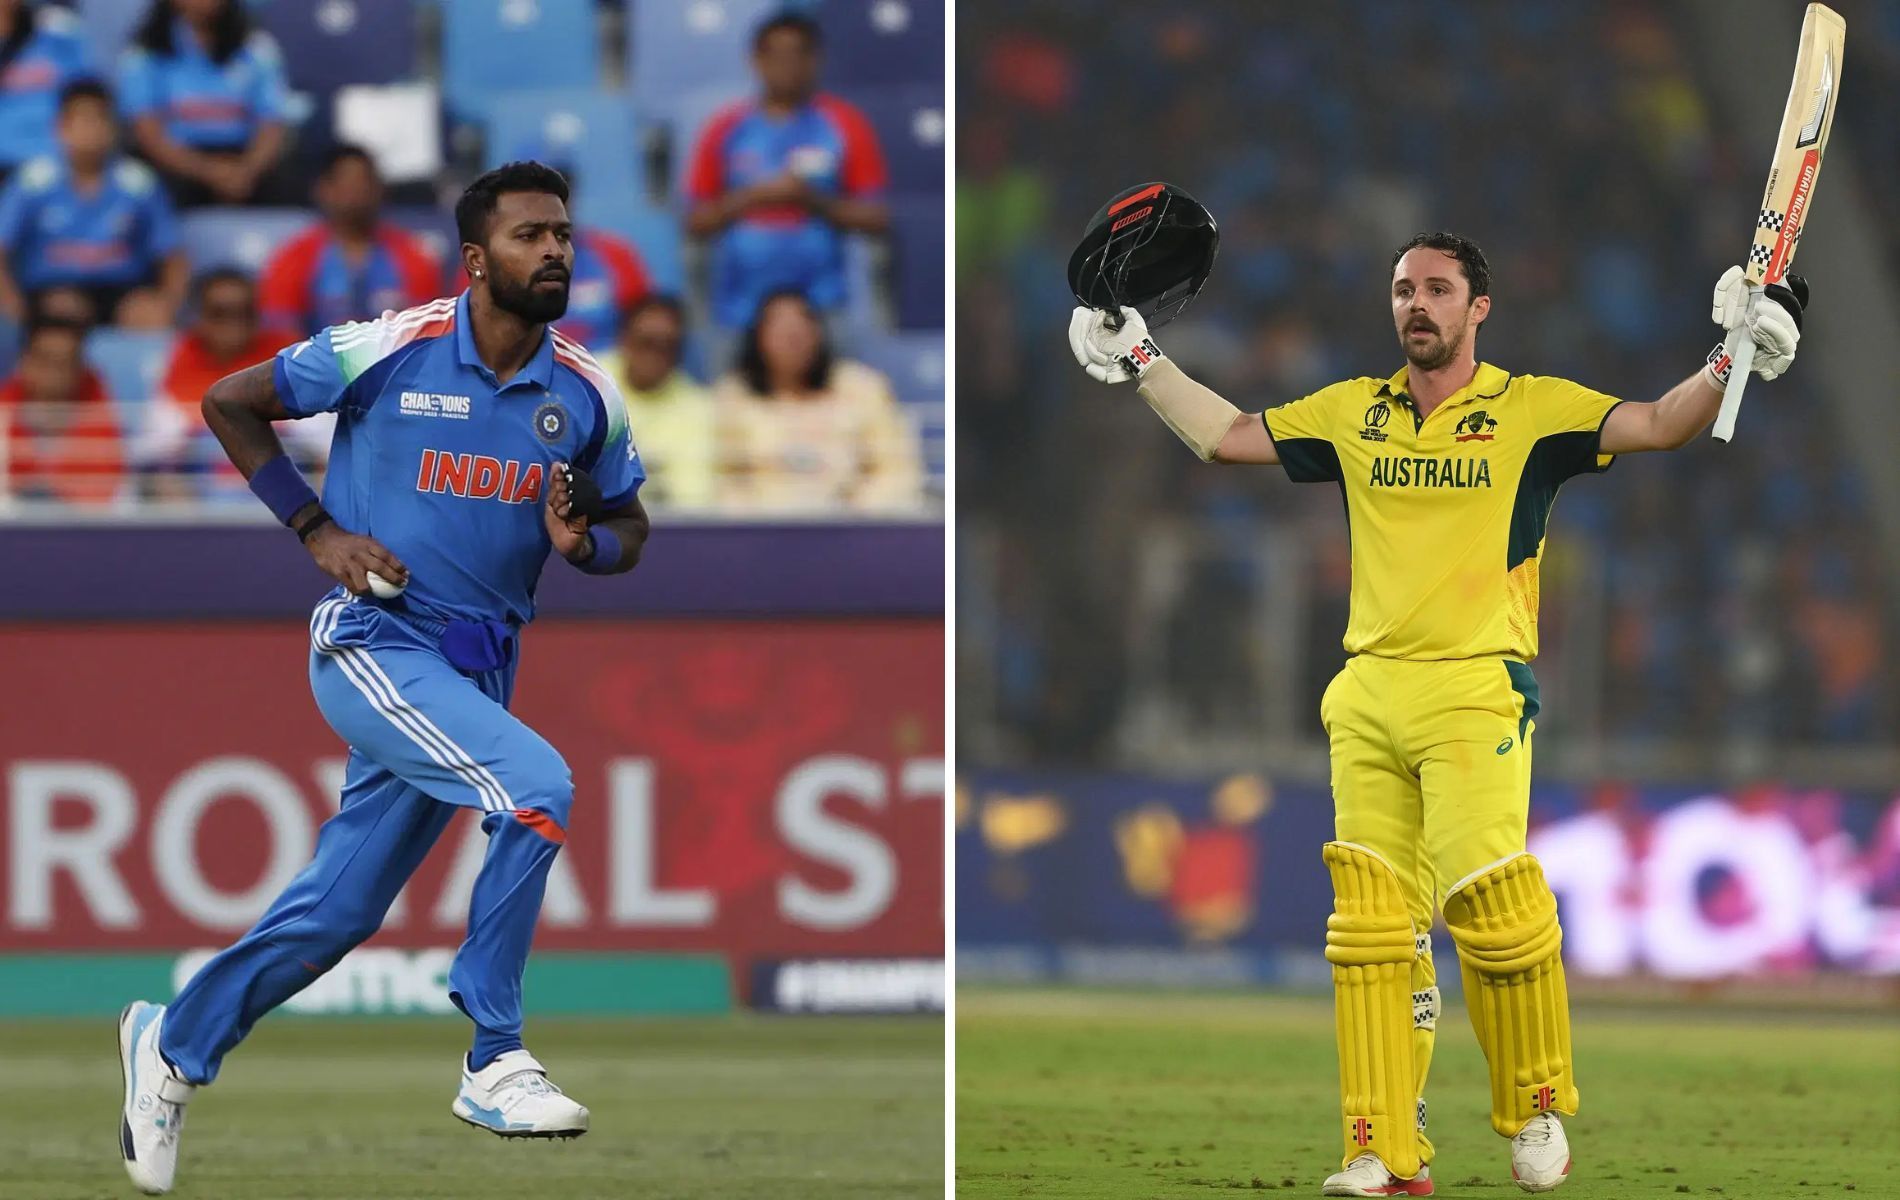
1741	353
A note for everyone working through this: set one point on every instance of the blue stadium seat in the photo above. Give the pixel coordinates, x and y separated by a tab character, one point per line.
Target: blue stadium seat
862	314
335	43
675	46
917	235
588	128
909	119
882	41
239	237
685	115
436	227
107	27
132	363
654	232
524	43
914	361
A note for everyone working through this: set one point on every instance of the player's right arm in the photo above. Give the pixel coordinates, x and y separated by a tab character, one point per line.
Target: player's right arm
239	410
1208	422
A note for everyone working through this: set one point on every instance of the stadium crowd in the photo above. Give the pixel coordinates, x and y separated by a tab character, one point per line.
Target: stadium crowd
1720	596
742	395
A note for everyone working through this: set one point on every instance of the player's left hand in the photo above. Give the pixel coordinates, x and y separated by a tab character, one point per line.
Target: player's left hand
1731	299
1773	321
573	497
1771	316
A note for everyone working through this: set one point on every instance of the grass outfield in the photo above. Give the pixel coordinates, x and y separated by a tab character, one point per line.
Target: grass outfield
1143	1096
342	1109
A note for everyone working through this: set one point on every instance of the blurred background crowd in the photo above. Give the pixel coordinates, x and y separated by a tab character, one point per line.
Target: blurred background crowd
191	184
1722	612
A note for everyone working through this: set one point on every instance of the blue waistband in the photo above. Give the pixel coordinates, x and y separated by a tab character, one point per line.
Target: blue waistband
409	616
468	645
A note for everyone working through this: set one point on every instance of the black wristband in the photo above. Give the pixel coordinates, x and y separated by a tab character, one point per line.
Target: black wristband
311	526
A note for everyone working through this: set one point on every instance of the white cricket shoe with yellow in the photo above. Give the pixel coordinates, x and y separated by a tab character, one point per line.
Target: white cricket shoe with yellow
154	1109
1367	1175
1540	1154
512	1097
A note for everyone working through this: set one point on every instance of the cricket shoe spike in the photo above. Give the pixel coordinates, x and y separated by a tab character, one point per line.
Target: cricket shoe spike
1540	1154
1367	1176
154	1110
512	1097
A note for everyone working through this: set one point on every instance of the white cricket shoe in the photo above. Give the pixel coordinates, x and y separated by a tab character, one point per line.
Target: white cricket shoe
1540	1154
155	1099
512	1097
1367	1176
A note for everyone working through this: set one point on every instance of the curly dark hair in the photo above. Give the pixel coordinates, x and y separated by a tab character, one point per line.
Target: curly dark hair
752	356
84	89
477	204
23	26
229	29
1477	269
790	21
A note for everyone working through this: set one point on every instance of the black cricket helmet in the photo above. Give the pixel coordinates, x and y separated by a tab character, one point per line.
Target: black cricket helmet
1150	248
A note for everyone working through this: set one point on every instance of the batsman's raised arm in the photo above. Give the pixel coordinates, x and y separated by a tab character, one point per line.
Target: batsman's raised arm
1772	318
1207	421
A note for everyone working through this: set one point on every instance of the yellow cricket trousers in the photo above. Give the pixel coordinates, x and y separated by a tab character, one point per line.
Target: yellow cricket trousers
1431	765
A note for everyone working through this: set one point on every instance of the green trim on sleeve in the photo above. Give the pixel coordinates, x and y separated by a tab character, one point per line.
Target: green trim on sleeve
1553	459
1308	460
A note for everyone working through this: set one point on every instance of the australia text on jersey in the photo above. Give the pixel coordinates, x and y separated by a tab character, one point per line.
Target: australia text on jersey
1391	471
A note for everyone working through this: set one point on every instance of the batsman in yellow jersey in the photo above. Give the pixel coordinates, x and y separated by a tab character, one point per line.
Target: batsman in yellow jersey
1448	467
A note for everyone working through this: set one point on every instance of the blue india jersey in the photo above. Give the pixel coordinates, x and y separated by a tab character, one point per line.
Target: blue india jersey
444	466
205	104
54	233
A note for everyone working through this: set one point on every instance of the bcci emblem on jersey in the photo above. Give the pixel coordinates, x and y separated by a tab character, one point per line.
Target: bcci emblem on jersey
550	422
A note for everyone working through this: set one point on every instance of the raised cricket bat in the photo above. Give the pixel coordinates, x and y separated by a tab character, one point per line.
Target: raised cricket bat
1785	203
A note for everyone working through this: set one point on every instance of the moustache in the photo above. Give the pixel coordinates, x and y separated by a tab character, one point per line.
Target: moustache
558	274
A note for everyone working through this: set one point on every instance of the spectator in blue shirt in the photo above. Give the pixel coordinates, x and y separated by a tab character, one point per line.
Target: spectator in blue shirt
779	180
93	219
207	100
40	53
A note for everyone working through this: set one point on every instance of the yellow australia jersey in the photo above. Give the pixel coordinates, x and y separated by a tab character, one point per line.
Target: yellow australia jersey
1446	513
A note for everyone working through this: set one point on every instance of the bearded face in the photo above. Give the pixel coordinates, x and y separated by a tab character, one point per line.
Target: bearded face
1432	307
529	256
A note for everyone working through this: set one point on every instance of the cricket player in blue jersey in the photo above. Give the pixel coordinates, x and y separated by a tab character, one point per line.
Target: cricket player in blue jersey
470	439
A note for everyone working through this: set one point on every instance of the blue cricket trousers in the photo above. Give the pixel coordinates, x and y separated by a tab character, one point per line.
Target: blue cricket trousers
424	737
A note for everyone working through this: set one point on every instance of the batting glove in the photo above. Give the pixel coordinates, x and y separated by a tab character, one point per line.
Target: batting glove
1731	298
1108	354
1772	317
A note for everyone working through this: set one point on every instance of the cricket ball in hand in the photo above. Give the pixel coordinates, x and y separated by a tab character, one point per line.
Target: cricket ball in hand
382	589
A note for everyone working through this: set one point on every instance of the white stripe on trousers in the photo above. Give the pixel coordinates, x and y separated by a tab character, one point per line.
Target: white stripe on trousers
391	705
368	677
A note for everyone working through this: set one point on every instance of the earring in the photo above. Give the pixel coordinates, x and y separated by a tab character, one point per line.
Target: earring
478	274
